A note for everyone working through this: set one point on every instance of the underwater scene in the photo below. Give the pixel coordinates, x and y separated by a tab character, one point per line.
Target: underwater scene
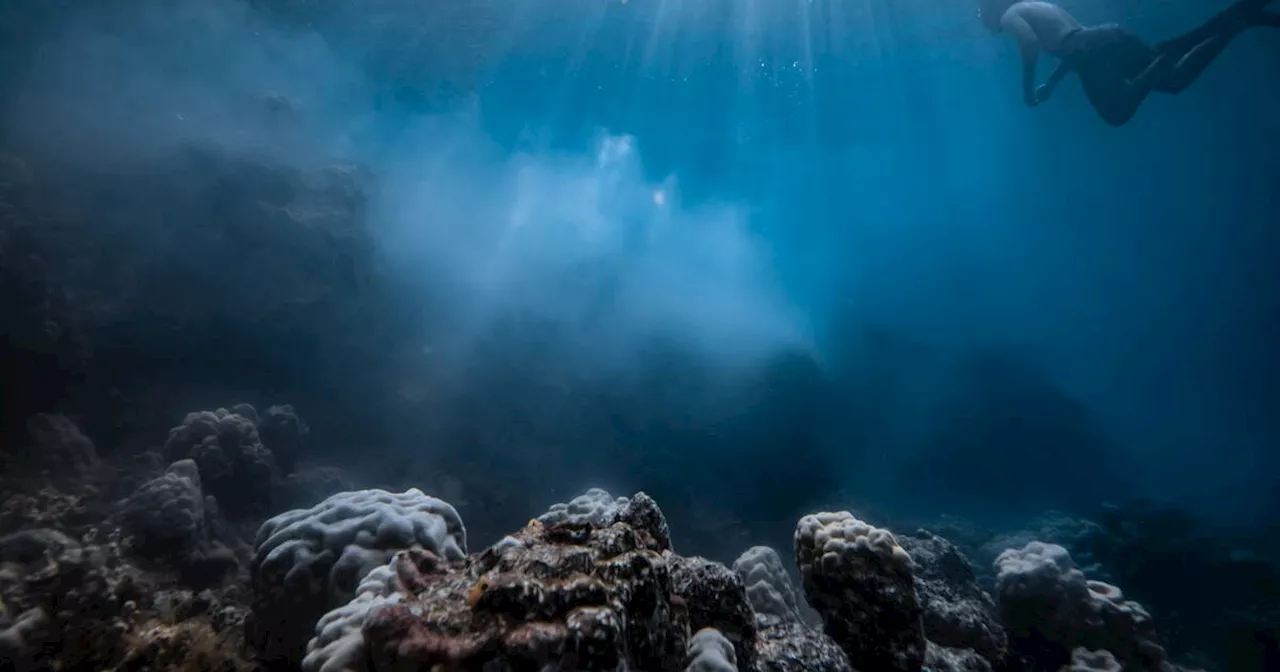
640	335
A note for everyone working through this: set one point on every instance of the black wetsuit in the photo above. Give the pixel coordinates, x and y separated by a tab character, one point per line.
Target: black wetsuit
1106	58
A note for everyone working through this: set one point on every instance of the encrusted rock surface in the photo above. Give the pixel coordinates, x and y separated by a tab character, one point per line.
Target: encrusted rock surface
795	647
714	597
575	595
945	659
957	613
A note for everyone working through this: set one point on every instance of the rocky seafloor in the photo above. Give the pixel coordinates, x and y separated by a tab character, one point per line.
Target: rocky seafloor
218	551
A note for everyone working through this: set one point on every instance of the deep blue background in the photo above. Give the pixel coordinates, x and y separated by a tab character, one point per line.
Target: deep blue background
898	175
971	301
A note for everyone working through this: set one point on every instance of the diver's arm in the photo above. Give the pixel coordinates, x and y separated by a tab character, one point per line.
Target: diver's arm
1030	56
1058	73
1029	48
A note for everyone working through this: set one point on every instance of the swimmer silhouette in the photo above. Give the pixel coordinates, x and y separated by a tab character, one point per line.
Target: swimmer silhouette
1116	68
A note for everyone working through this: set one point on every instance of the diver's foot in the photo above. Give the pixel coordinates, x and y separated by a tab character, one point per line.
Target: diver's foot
1241	15
1265	18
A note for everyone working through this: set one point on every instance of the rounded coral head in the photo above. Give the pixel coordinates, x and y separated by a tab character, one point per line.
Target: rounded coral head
991	11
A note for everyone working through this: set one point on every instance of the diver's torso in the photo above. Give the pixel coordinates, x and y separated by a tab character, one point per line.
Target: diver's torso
1051	23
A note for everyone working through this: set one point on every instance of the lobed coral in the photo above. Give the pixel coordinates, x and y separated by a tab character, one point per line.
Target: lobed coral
309	561
595	507
166	514
773	597
283	433
234	465
1050	609
709	651
860	579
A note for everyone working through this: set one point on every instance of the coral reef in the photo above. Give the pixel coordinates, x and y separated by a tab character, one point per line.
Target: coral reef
860	579
283	434
784	642
595	507
709	651
82	605
773	597
58	445
1050	609
794	647
309	561
15	651
598	591
582	596
166	514
945	659
234	465
168	519
1084	660
339	642
370	580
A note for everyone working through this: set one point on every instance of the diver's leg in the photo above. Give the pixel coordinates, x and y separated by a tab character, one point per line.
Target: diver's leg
1265	19
1192	64
1180	61
1115	100
1234	17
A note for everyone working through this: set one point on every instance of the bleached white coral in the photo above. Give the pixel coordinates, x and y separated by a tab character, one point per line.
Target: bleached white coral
309	561
710	651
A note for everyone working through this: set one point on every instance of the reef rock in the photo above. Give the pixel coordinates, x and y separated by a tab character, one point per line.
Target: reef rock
1084	660
59	445
958	614
795	647
573	595
860	579
713	597
945	659
17	650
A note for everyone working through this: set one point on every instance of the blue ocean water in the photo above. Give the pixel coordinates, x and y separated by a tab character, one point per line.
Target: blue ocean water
756	258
